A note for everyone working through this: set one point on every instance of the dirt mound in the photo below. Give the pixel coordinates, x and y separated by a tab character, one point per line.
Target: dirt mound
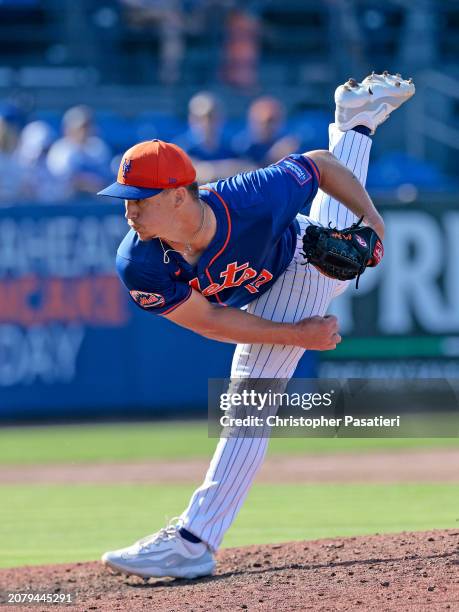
401	572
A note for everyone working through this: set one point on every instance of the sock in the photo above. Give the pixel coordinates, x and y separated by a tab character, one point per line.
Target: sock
186	535
362	129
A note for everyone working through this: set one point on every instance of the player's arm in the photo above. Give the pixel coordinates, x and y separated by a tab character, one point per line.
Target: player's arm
237	326
339	182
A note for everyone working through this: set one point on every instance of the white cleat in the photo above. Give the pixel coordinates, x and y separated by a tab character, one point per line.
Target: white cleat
370	102
162	554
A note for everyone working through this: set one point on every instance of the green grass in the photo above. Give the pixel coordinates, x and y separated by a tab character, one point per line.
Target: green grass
56	524
187	440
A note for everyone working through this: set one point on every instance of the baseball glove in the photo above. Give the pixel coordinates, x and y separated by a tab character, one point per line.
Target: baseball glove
342	254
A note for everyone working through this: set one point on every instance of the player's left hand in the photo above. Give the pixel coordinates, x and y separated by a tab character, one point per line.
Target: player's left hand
342	254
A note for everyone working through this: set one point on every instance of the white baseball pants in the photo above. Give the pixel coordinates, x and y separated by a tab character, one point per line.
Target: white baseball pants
300	292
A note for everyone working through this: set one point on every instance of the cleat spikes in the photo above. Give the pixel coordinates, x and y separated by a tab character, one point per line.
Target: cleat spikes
371	101
410	80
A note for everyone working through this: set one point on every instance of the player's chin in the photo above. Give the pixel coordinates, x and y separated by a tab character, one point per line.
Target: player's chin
144	236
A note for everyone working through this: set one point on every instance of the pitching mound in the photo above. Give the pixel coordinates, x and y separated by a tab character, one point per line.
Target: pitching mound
407	571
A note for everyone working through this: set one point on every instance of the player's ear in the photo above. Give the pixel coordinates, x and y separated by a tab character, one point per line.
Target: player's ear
180	194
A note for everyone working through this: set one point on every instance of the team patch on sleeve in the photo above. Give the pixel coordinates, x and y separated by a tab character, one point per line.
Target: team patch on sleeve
299	173
148	300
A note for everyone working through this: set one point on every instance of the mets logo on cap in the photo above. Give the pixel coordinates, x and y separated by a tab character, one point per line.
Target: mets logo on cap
148	300
126	166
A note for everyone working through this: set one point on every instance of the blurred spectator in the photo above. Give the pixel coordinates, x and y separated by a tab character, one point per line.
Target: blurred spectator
169	19
172	42
12	175
39	184
241	49
13	118
79	157
264	141
204	140
204	137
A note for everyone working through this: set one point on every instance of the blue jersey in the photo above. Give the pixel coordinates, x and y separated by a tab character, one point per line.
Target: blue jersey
254	242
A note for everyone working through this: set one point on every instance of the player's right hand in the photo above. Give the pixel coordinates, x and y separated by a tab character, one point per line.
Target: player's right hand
318	333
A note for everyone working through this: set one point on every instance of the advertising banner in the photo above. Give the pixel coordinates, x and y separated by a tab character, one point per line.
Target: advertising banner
403	321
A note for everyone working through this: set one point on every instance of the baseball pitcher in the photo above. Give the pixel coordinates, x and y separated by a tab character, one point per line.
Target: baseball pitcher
226	260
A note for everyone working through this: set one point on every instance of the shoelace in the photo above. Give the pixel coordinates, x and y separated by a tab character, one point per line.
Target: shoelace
166	533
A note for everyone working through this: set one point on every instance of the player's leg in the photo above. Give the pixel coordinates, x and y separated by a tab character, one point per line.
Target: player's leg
352	149
360	107
300	292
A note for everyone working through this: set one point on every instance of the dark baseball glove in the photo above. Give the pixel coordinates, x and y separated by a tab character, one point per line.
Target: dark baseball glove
342	254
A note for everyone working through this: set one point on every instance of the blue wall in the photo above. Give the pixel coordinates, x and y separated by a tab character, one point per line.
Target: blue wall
71	342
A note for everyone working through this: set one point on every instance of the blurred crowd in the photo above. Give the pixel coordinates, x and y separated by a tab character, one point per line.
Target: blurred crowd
233	25
41	165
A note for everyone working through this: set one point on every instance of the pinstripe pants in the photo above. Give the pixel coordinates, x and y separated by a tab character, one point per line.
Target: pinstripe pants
300	292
